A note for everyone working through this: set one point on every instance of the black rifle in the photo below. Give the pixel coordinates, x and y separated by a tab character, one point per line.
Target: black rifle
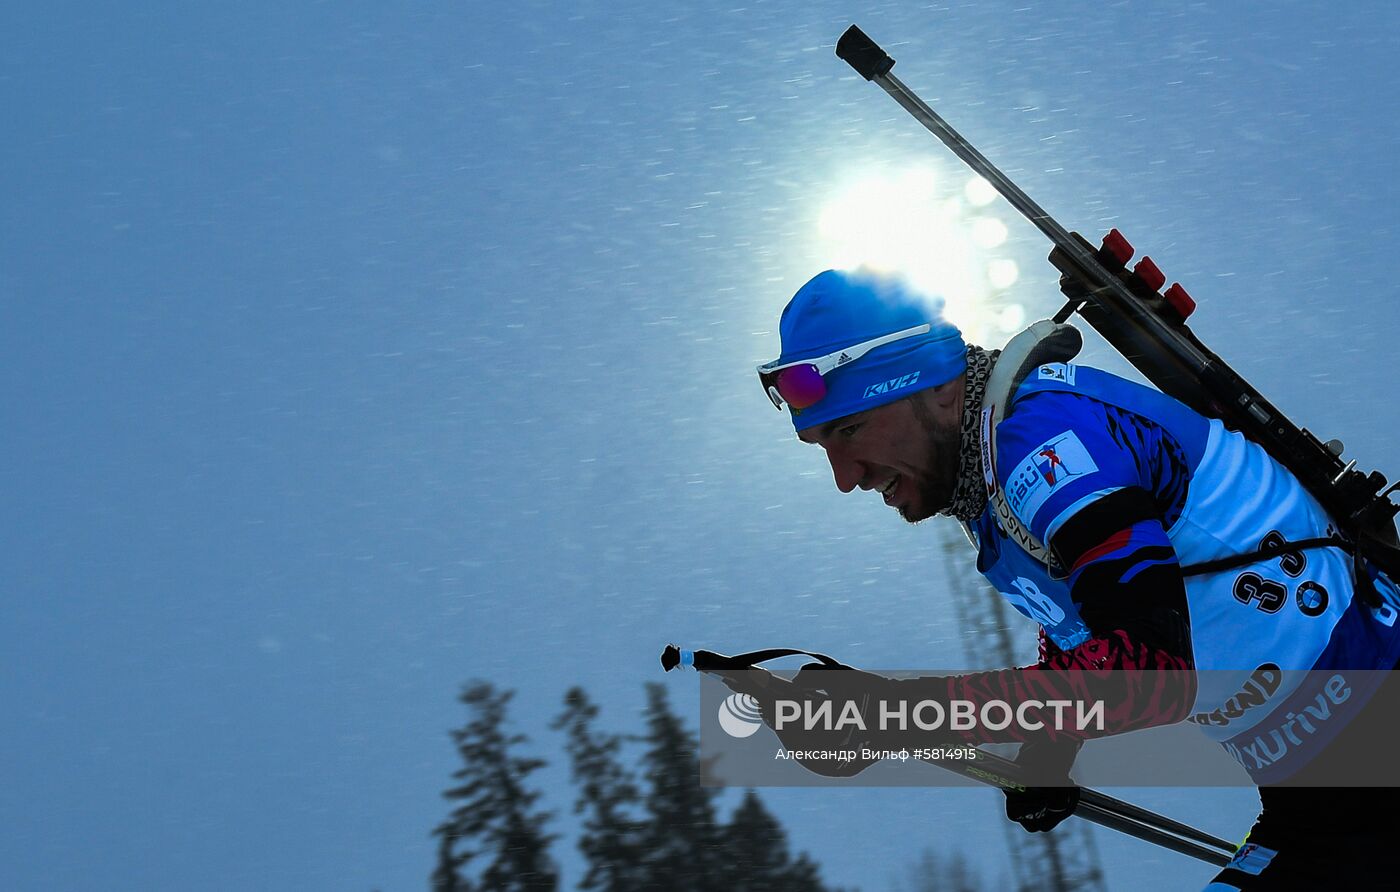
1149	329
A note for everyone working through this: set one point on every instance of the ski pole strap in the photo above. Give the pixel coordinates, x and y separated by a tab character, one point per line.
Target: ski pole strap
707	660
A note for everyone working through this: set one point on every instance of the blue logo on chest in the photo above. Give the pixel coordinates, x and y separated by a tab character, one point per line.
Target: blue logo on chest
1026	585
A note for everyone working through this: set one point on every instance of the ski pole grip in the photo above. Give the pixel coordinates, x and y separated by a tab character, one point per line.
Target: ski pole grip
670	658
863	54
673	656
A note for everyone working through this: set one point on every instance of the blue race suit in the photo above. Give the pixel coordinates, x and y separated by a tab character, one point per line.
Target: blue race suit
1126	487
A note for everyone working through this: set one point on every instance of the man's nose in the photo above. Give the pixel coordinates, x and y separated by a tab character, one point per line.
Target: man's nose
847	473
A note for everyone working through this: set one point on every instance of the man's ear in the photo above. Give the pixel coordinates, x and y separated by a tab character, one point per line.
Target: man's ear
948	394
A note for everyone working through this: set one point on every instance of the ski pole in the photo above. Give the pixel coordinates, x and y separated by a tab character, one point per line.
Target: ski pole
1106	803
996	771
1147	833
1115	814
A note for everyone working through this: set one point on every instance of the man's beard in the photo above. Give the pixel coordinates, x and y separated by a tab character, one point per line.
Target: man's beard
945	447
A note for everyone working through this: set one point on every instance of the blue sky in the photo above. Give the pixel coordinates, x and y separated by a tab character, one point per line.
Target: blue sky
355	350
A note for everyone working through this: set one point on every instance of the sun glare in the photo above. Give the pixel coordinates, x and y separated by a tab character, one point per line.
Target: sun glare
939	234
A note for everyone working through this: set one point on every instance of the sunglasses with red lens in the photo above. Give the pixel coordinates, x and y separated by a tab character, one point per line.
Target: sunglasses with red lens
802	383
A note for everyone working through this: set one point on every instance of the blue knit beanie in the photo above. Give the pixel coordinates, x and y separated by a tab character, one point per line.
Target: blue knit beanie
837	310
